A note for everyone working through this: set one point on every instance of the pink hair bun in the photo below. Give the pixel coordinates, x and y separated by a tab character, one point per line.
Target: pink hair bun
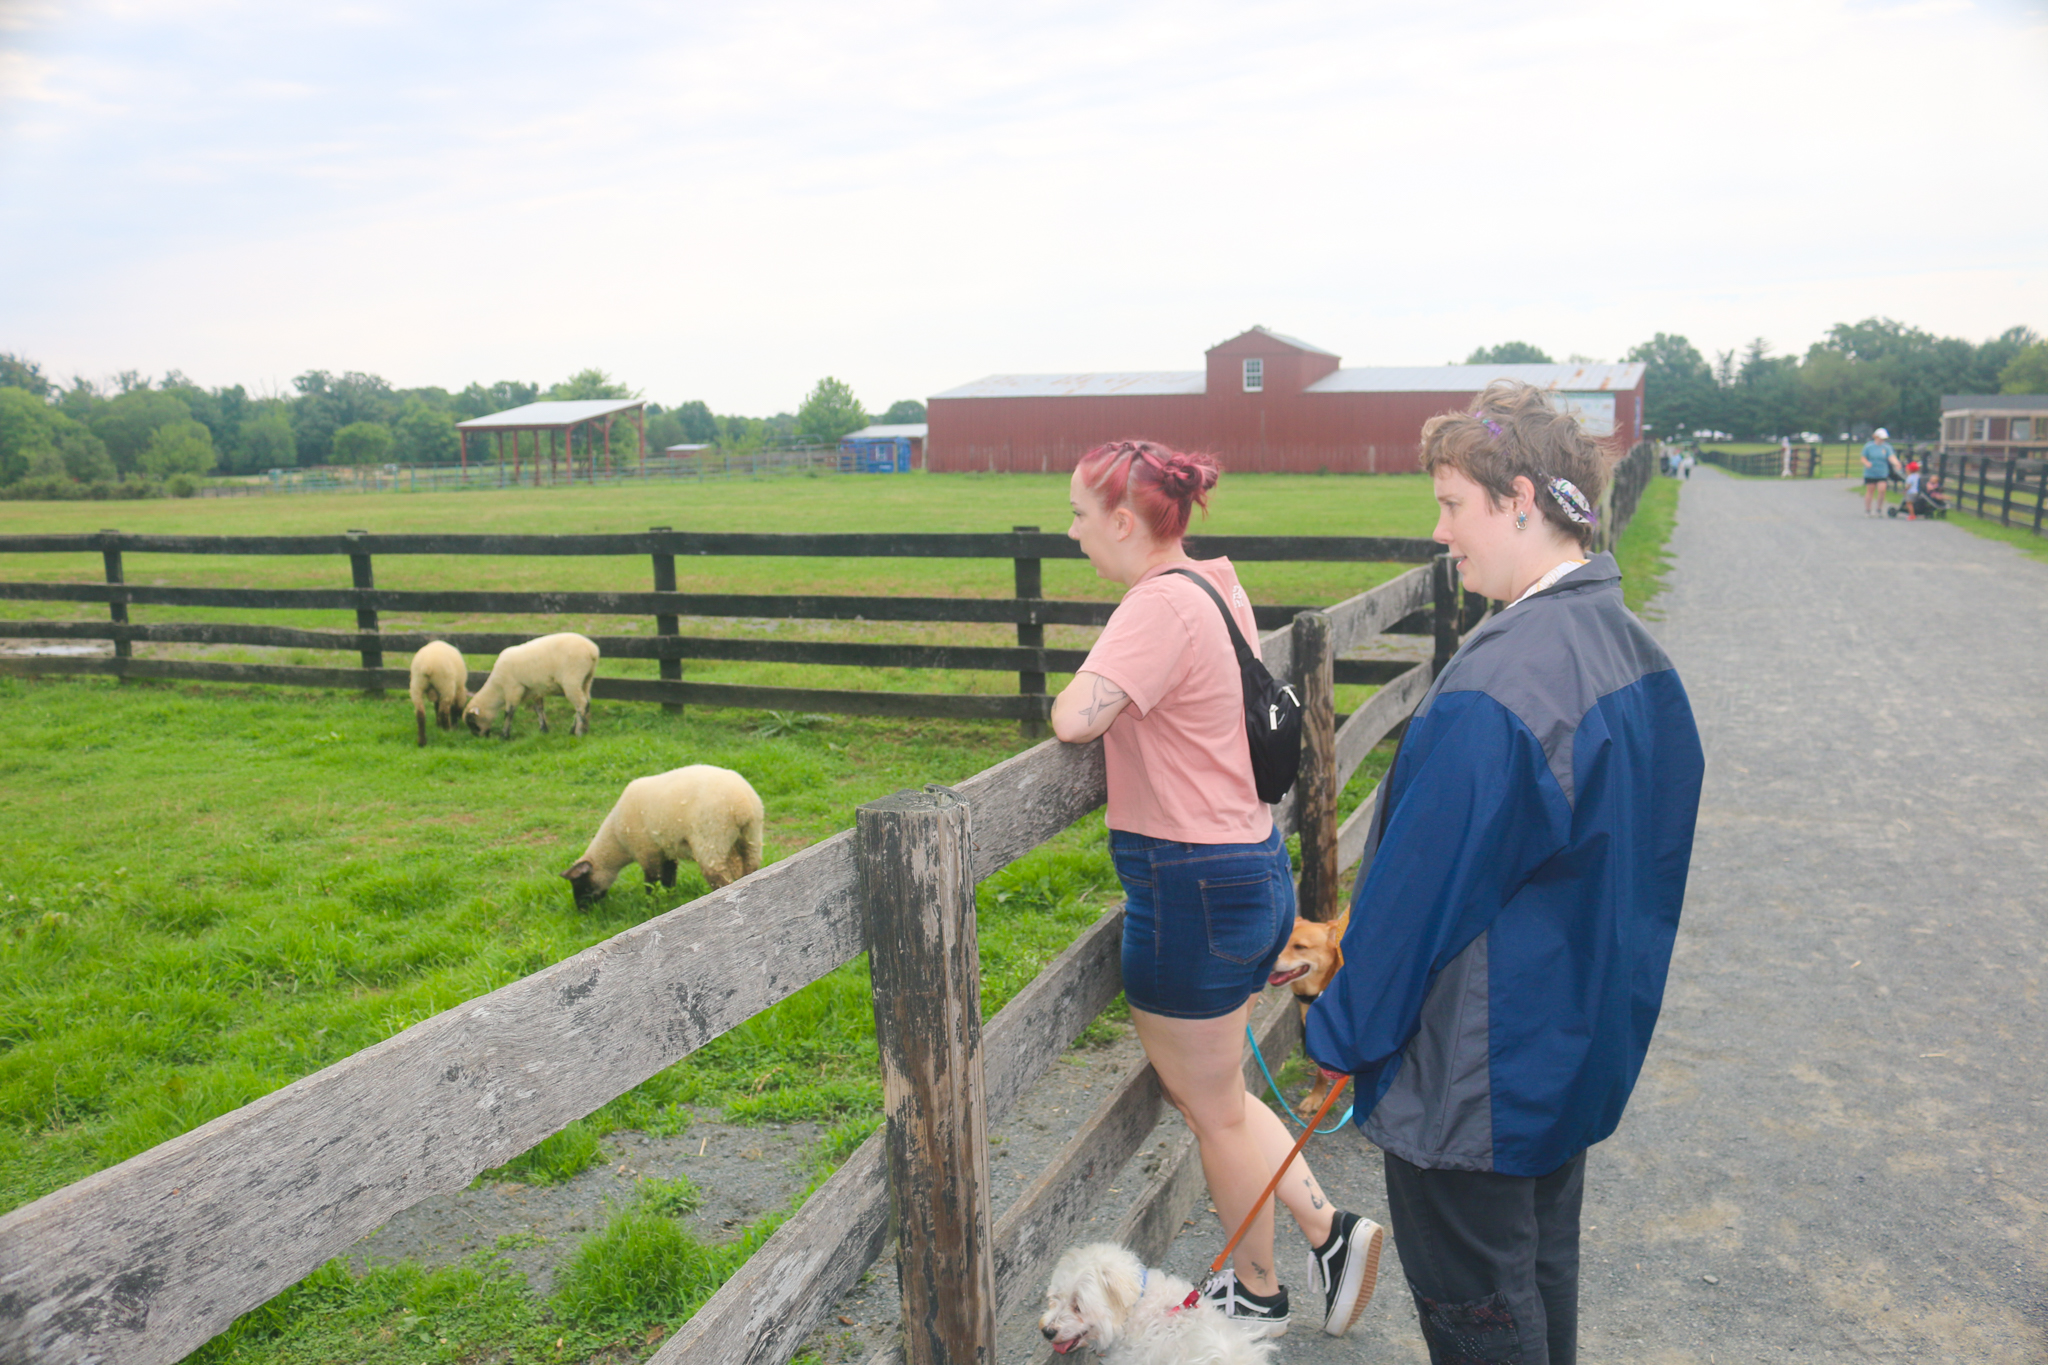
1162	486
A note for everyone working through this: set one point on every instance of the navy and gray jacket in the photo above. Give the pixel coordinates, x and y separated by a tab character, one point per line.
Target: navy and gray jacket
1513	921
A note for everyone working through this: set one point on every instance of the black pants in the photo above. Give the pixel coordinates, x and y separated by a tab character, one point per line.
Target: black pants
1493	1261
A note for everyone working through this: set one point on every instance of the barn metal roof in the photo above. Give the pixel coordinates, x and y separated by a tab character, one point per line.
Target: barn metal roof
1472	378
545	415
1994	402
1296	342
1113	384
886	431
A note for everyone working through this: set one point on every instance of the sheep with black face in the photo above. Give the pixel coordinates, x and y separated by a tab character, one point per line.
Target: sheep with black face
711	816
562	665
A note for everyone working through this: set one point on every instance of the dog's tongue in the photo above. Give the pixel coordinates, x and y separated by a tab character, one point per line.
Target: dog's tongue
1063	1349
1282	978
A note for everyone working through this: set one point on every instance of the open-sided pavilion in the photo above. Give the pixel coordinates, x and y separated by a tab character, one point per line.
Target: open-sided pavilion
558	423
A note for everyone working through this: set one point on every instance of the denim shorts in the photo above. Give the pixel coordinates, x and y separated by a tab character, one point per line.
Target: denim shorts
1203	923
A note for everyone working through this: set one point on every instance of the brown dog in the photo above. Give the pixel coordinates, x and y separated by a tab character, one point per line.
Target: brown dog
1312	956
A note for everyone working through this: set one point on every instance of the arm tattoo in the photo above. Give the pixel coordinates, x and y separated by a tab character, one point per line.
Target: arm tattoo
1104	695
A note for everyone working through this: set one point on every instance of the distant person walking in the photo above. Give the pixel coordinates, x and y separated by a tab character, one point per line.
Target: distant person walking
1785	465
1880	463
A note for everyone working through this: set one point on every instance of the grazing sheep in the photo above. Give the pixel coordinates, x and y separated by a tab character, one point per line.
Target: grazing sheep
554	665
709	815
438	676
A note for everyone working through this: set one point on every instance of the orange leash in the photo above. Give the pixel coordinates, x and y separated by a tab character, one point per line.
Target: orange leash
1271	1185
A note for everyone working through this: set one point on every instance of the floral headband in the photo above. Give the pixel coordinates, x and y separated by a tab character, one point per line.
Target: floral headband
1573	502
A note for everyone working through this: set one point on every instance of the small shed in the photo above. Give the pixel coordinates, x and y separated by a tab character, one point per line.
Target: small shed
889	448
1996	424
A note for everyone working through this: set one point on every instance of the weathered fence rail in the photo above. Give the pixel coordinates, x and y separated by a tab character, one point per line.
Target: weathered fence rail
2009	492
1028	611
146	1260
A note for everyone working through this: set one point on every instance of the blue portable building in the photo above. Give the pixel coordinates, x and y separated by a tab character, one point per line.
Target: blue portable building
882	449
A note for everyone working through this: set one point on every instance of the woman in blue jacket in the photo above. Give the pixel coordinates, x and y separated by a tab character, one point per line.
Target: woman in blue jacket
1513	920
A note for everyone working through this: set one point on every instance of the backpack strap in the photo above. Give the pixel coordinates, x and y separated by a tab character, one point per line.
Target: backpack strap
1244	651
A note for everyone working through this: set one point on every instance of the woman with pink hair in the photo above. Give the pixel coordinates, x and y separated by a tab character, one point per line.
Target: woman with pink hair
1209	894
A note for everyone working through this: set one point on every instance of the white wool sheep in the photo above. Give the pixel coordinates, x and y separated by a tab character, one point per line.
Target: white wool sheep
439	677
554	665
706	814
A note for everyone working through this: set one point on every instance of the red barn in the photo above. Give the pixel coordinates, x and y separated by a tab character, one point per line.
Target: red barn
1264	402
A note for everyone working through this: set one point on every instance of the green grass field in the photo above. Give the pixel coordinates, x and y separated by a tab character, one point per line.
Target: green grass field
207	892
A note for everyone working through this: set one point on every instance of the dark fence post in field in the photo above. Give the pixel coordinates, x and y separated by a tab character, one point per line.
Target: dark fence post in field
1983	479
2040	497
117	611
915	859
2005	497
665	581
1444	616
1315	667
366	617
1030	587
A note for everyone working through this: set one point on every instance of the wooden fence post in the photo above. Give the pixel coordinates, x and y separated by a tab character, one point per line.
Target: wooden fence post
1316	811
366	617
1030	587
2012	465
1444	581
915	858
117	612
665	581
1983	478
2041	497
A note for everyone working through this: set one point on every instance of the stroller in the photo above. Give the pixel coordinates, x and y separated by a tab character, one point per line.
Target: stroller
1923	496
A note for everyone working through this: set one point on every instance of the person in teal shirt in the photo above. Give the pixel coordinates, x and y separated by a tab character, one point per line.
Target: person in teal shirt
1879	463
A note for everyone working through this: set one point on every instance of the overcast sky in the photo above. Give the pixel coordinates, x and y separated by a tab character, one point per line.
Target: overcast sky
727	202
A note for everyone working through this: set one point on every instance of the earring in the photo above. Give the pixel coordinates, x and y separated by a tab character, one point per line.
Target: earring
1521	521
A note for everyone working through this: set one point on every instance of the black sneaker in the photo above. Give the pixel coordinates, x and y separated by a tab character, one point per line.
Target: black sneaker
1347	1269
1261	1317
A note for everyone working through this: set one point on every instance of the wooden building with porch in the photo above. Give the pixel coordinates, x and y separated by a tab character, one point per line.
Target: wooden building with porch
2001	425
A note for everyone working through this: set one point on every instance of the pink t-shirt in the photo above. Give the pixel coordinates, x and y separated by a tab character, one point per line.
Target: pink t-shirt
1178	762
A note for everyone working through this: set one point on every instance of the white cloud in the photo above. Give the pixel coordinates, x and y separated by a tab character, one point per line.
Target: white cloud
728	204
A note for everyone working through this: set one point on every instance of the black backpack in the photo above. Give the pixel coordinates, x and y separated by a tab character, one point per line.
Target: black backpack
1272	712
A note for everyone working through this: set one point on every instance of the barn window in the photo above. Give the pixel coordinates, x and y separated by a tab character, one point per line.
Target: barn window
1254	375
2022	429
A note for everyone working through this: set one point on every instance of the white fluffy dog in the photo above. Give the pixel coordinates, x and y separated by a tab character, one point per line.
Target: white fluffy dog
1103	1297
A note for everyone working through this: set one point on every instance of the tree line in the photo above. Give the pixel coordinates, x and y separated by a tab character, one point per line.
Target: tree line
136	437
1861	375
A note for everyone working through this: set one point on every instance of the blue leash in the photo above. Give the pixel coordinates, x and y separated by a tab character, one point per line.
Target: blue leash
1285	1107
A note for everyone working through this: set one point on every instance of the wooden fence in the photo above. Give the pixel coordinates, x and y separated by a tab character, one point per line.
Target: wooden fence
696	467
1028	610
1766	463
2010	492
145	1261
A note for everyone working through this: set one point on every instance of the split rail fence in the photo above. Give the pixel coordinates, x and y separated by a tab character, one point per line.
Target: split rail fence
145	1261
1761	464
1028	610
